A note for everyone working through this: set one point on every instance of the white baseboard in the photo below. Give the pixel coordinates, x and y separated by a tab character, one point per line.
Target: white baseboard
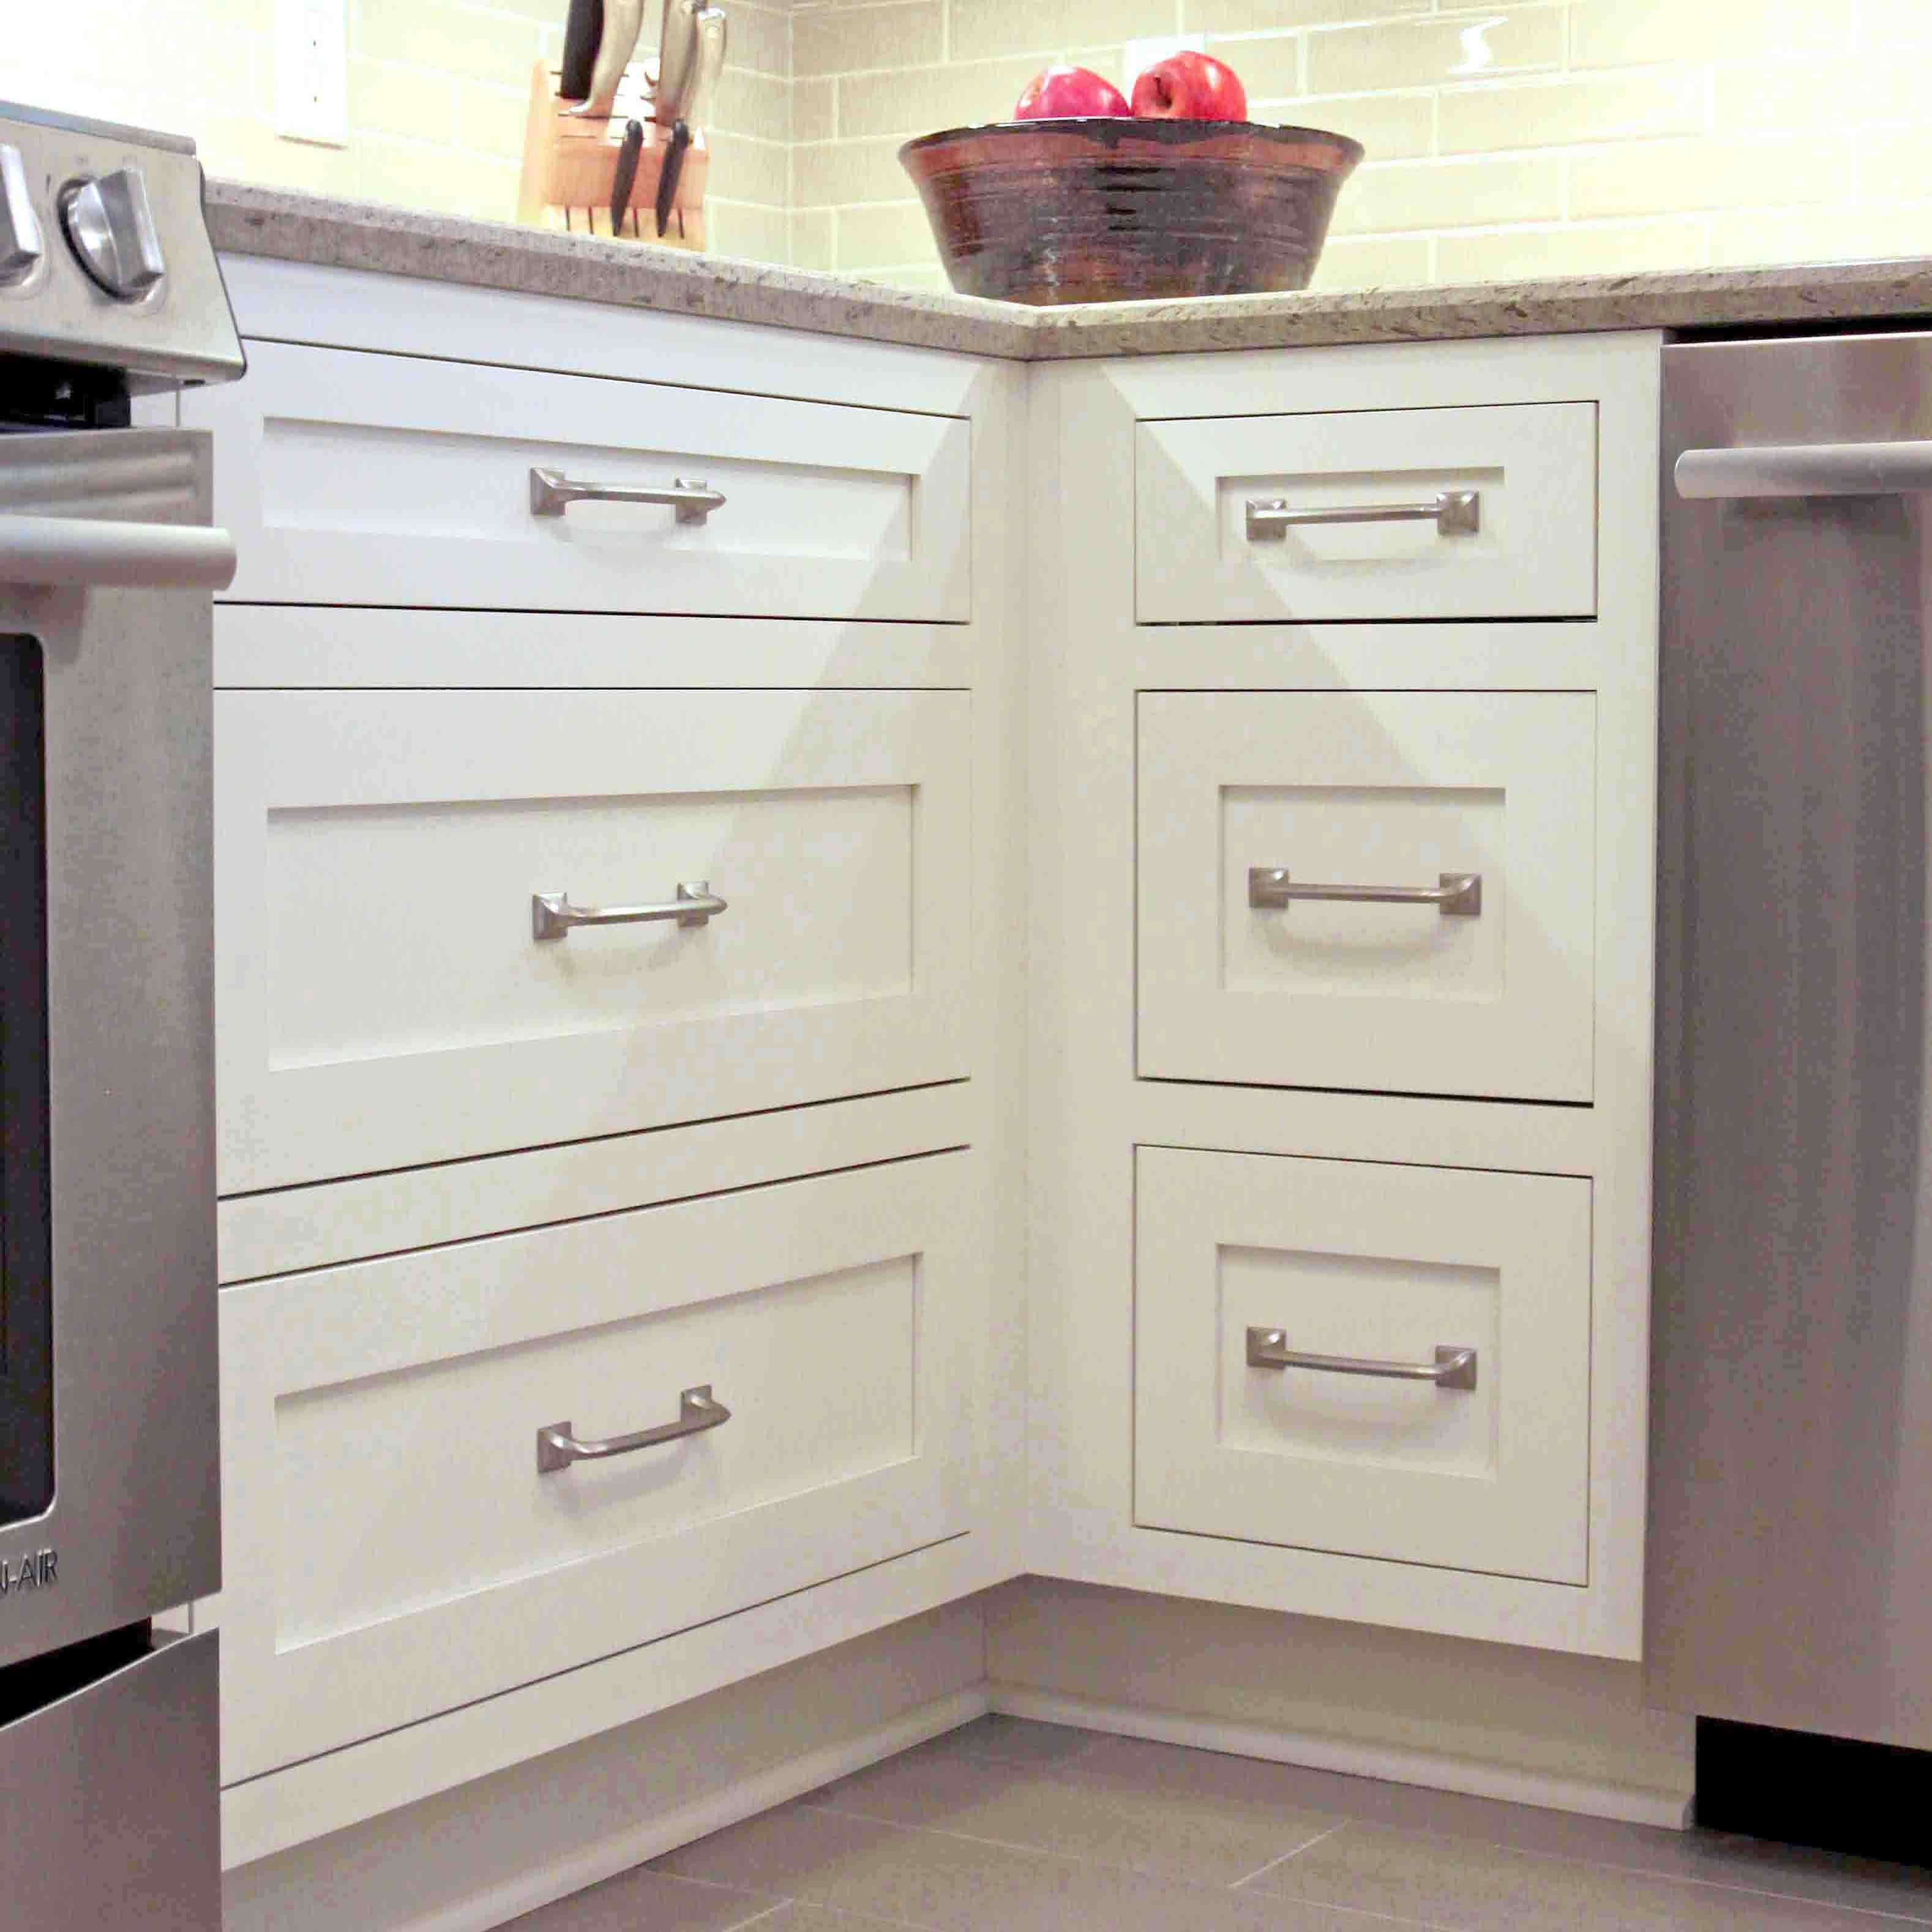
1631	1804
651	1838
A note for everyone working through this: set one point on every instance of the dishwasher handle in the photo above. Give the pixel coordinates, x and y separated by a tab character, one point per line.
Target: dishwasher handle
1806	469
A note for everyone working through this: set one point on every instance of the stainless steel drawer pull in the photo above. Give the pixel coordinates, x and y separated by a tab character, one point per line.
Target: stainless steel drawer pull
557	1448
552	493
1455	513
1455	894
1806	469
1452	1368
552	915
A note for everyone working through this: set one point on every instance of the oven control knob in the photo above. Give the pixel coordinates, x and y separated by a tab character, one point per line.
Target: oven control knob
20	226
111	228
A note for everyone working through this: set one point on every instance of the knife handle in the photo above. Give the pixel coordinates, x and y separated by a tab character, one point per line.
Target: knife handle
583	28
625	177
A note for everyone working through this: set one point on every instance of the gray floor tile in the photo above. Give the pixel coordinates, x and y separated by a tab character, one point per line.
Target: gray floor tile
1054	1809
945	1884
1711	1858
643	1900
1472	1887
1014	1741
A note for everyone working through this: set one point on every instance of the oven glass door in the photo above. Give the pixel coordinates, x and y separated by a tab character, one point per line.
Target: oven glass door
26	1284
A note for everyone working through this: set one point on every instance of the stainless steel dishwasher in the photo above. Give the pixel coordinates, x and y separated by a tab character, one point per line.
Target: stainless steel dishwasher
1790	1564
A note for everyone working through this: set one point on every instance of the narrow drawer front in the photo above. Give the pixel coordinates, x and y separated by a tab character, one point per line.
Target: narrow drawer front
1486	1469
1410	983
353	478
393	1547
1526	546
384	997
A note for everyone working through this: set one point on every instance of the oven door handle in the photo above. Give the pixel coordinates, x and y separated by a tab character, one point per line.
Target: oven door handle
80	550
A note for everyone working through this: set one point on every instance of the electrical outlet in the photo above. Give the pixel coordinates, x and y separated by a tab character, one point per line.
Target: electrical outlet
312	71
1142	55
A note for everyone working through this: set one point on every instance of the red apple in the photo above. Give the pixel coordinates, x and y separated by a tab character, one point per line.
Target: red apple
1190	87
1061	92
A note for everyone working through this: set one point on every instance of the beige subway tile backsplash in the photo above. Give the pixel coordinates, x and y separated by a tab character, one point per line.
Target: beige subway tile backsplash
1611	33
930	98
1276	16
1390	126
449	39
1375	261
813	239
1664	177
982	29
912	33
1602	248
760	37
1553	113
813	103
1269	65
386	99
829	174
895	234
1834	232
754	103
744	169
1531	136
1424	53
1472	193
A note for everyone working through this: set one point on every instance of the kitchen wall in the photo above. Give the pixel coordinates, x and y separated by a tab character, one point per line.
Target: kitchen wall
1555	137
437	96
1595	137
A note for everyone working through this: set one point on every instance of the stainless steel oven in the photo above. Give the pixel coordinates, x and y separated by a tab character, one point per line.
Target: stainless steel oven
108	1506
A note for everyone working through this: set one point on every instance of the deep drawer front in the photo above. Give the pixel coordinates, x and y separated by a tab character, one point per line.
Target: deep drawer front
353	478
1525	547
1410	1268
394	1549
385	999
1249	798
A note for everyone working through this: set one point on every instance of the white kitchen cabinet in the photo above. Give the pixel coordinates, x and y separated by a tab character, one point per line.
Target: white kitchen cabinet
984	828
349	477
1375	1125
477	1180
388	996
1475	1287
1483	800
395	1550
1417	513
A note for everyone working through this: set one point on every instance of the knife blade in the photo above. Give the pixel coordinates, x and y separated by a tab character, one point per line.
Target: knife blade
677	52
711	24
582	31
626	178
623	19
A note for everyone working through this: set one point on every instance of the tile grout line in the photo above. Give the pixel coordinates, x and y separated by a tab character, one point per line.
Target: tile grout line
1258	1871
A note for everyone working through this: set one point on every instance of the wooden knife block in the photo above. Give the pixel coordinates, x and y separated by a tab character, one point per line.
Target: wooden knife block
570	166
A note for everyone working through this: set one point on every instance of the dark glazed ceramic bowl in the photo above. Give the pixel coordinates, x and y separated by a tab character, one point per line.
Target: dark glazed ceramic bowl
1119	210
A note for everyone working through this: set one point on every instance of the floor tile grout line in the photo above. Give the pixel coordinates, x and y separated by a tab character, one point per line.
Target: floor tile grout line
1661	1877
1071	1858
1308	1845
759	1918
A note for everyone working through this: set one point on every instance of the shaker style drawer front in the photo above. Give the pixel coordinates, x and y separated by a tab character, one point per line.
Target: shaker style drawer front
1375	1361
1383	891
402	1440
354	477
1480	512
453	922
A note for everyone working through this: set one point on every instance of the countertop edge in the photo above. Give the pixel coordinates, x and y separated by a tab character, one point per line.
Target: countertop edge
288	225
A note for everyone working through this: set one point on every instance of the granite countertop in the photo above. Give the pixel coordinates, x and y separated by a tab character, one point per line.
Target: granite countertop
249	220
